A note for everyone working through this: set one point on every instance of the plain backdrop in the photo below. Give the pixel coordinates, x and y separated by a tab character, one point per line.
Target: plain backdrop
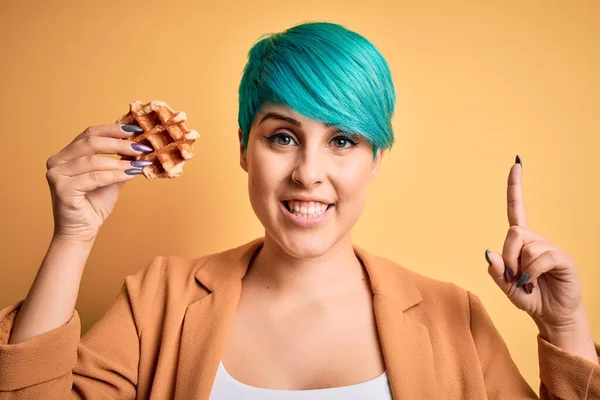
477	83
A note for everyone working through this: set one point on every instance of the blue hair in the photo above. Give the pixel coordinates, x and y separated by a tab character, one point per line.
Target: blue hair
324	72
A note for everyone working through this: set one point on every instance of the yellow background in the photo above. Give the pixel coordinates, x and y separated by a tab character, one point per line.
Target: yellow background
476	84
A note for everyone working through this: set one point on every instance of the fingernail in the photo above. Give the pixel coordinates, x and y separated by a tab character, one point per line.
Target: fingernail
131	128
523	279
134	171
487	256
508	274
529	288
141	147
518	160
141	163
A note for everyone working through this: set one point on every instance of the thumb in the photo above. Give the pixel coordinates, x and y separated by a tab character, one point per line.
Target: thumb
500	274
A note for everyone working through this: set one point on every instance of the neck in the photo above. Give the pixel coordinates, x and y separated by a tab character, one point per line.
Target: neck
336	270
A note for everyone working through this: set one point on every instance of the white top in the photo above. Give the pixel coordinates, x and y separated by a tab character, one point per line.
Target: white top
227	387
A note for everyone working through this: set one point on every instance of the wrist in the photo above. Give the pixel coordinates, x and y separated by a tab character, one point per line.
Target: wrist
577	323
72	241
574	337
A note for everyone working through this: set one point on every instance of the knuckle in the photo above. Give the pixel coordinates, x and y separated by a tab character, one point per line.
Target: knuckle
514	231
554	256
91	159
89	141
51	176
87	132
95	176
50	162
527	251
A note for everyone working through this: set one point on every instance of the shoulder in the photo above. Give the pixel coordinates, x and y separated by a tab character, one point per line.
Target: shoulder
166	280
164	270
184	280
438	302
437	293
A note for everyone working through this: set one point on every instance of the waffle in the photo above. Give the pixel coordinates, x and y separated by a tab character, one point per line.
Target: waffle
166	132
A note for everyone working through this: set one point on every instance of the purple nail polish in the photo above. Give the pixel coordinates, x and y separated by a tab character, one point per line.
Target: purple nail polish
529	288
141	147
140	163
508	274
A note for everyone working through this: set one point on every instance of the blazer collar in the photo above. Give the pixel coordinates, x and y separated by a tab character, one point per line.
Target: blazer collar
388	279
405	342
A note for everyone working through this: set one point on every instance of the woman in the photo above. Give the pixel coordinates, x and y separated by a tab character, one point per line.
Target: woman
302	312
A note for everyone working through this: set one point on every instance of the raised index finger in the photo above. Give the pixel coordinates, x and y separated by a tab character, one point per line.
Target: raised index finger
514	196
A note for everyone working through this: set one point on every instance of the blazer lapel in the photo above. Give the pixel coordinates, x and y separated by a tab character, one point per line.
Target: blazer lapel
405	342
207	321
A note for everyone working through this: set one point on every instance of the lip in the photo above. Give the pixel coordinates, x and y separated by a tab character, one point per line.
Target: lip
306	222
307	199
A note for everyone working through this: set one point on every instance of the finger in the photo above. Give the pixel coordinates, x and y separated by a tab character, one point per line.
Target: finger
514	196
94	162
498	271
511	251
516	239
546	261
90	145
529	253
97	179
503	276
117	131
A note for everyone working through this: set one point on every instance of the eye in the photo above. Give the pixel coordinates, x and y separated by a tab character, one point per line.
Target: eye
344	142
281	139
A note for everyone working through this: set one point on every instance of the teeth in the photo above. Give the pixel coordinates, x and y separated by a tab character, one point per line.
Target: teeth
307	209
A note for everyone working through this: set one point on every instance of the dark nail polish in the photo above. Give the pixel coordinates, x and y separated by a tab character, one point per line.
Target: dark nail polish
487	256
523	279
518	160
140	147
529	288
141	163
134	171
132	128
508	274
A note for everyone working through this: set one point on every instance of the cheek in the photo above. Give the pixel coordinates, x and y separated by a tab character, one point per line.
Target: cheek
352	182
264	179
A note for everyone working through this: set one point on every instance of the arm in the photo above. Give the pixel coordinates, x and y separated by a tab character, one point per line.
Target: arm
51	299
102	365
563	375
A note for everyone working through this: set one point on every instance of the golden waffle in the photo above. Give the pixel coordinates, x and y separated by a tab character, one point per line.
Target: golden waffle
166	132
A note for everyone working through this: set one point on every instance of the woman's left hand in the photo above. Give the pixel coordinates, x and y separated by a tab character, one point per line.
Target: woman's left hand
536	275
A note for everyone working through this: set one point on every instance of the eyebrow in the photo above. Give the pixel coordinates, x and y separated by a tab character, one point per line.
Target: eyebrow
290	120
280	117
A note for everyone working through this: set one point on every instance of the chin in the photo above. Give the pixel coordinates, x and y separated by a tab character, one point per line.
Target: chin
305	244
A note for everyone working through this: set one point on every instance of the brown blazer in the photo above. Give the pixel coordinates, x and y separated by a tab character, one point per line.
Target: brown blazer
162	339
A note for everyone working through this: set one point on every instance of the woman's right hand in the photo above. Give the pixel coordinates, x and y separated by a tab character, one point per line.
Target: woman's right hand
85	185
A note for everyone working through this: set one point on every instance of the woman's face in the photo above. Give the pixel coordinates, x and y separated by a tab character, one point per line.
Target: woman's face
307	183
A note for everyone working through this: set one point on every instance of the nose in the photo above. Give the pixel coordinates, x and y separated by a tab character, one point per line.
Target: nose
310	168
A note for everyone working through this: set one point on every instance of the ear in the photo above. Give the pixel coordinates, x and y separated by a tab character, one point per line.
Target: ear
243	160
376	164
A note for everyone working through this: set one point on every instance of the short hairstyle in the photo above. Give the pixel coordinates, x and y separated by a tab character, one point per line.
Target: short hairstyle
324	72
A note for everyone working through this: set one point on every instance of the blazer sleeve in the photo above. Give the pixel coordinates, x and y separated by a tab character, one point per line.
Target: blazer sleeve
563	375
103	364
